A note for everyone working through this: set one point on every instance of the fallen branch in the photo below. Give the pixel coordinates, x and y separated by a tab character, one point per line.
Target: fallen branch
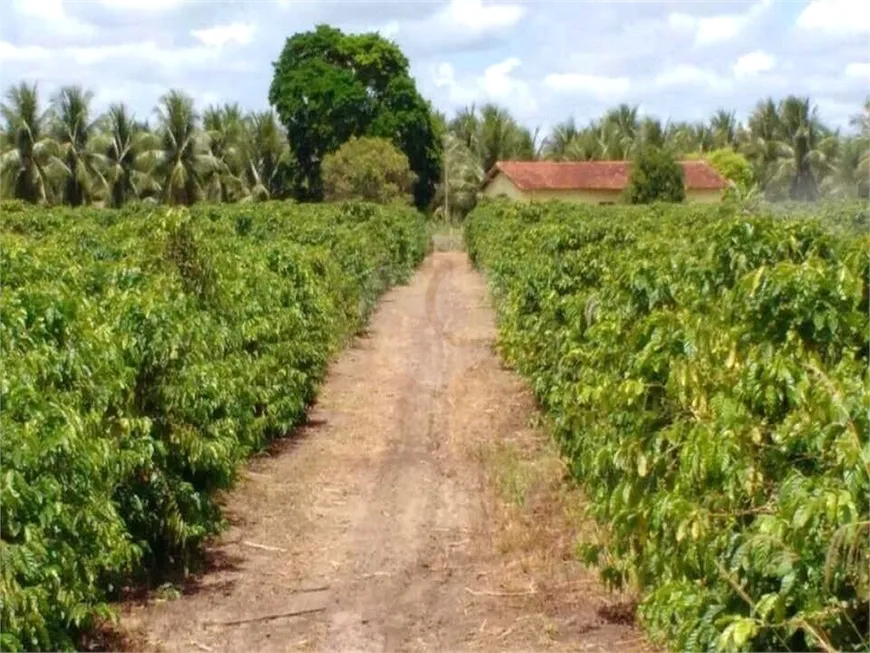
376	574
263	546
506	632
303	590
201	646
268	617
528	592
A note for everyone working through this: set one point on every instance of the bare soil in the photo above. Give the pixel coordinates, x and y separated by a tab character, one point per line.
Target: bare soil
420	509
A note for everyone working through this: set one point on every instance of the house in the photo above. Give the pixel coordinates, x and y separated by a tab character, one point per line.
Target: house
599	182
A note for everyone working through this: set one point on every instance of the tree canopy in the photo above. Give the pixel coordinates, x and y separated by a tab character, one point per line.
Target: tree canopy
329	86
656	176
734	167
370	169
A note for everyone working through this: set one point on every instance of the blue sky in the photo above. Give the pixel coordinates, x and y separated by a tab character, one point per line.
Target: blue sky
544	60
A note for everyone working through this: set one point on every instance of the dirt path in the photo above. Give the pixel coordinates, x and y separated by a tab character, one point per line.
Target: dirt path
418	511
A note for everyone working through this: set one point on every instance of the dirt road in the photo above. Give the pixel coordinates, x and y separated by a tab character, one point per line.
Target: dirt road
418	511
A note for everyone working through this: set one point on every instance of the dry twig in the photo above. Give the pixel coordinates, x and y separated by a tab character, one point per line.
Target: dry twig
263	546
528	592
268	617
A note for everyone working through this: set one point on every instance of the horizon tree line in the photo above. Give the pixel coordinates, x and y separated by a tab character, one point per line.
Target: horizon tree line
791	152
64	154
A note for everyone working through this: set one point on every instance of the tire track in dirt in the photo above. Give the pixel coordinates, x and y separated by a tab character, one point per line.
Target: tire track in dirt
376	527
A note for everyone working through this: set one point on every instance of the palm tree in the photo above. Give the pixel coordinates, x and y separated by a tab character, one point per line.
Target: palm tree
861	148
760	140
651	132
466	127
463	174
74	131
123	145
29	161
529	144
723	128
265	146
862	120
182	161
806	146
439	121
680	138
851	169
500	138
558	145
621	128
225	127
790	148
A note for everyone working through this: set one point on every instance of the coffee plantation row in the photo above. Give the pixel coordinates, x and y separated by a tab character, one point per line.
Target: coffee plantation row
706	375
146	354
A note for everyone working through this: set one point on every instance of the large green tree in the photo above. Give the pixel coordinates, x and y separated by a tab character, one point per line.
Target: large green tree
329	86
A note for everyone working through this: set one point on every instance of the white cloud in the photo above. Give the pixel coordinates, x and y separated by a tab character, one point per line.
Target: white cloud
45	9
474	15
709	30
753	63
141	5
718	29
858	70
838	111
445	77
600	87
22	53
219	35
836	17
457	26
682	22
116	93
496	84
207	98
53	19
690	75
147	51
389	30
133	50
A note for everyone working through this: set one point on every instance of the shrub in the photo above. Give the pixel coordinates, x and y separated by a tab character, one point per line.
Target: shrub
707	378
145	356
656	176
734	167
369	169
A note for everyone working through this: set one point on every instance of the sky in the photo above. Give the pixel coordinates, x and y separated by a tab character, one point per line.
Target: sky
545	60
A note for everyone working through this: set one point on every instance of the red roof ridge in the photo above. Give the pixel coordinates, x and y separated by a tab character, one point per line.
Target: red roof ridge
593	175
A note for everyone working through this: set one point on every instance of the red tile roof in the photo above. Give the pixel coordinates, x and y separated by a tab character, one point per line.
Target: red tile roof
593	175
